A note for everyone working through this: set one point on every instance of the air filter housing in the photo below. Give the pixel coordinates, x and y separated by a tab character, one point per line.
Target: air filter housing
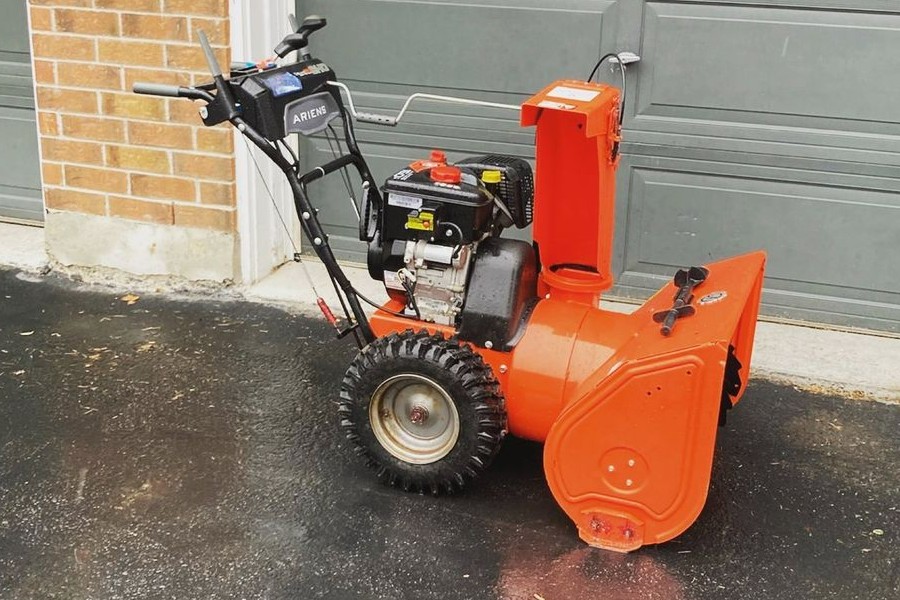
515	190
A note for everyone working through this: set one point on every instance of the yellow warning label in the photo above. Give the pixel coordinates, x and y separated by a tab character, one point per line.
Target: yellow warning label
423	221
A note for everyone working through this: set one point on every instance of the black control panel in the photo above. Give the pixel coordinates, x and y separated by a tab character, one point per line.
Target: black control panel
274	99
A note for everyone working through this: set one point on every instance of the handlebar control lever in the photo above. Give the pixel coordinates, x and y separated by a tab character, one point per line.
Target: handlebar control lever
223	107
299	40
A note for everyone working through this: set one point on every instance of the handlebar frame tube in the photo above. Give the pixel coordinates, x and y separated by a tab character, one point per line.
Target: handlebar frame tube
222	103
309	221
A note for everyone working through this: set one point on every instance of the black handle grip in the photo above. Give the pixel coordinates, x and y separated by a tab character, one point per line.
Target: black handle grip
157	89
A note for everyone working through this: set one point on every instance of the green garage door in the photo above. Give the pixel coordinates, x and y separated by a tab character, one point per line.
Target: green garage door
771	123
20	175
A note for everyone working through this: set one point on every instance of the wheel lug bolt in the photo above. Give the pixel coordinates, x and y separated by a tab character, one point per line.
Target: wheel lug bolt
418	415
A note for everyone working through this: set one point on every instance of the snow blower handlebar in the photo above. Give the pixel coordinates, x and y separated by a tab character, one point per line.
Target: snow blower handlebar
221	106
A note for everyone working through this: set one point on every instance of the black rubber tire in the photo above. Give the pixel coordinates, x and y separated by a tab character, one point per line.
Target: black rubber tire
466	378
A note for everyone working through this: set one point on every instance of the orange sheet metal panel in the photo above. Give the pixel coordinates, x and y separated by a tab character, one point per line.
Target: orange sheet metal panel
574	201
630	455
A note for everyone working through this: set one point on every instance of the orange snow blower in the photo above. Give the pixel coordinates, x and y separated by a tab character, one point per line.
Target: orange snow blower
485	335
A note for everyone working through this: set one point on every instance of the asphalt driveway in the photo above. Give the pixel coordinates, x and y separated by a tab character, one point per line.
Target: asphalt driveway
190	449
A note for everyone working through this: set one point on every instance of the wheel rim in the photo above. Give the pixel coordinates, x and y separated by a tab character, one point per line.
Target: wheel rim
414	419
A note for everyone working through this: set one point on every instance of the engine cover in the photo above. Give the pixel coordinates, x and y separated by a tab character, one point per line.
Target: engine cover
441	204
501	293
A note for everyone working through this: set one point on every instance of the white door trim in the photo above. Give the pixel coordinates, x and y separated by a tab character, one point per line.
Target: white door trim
256	27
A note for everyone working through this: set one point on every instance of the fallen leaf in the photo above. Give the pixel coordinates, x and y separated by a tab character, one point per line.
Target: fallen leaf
18	372
878	531
27	333
130	299
146	346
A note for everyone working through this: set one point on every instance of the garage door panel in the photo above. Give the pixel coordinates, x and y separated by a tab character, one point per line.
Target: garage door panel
829	170
13	28
20	177
692	215
514	46
19	203
791	75
20	165
818	309
749	123
822	240
15	84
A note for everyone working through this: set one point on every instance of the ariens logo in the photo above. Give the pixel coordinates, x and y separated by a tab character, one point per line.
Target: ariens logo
306	115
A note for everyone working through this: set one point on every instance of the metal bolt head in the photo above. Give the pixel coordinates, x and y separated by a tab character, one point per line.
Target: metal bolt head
489	344
418	415
305	216
611	469
504	368
317	241
631	462
628	483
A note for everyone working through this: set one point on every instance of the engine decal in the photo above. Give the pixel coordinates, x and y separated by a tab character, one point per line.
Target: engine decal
420	221
404	201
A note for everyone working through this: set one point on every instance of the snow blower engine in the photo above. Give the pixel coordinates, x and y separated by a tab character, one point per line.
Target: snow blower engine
483	335
440	221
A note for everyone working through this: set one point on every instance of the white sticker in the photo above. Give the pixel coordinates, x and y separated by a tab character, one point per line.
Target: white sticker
404	201
569	93
392	281
555	105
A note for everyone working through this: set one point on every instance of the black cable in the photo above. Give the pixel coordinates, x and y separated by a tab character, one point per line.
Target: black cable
292	153
602	60
378	306
621	64
344	175
411	297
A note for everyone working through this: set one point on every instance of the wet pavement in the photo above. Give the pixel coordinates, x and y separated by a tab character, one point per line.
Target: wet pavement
190	449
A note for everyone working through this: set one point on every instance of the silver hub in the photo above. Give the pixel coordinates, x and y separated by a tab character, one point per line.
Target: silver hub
414	419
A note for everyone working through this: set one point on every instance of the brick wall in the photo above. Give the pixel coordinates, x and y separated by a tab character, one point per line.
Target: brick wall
108	152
